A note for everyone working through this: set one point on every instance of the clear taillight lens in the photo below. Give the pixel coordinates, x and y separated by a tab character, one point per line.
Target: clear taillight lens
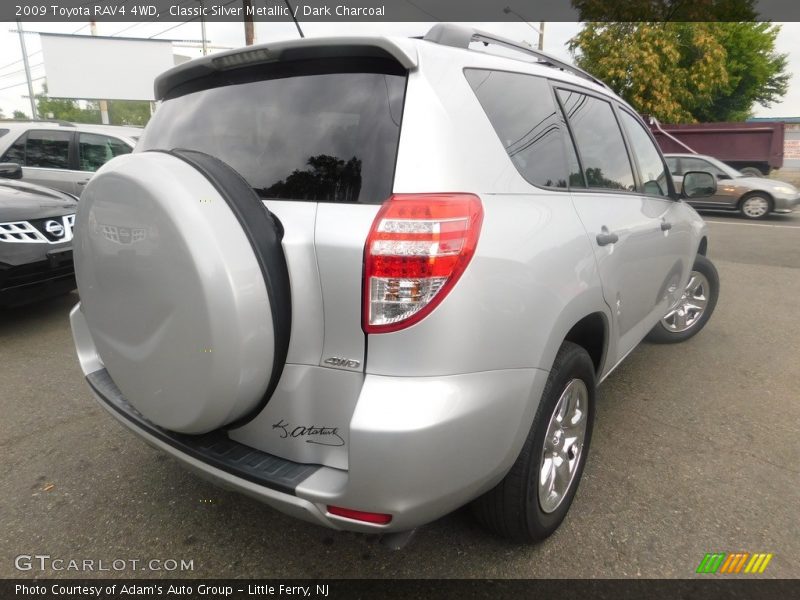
418	247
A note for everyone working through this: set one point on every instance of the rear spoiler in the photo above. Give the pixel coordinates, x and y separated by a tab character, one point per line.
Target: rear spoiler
400	50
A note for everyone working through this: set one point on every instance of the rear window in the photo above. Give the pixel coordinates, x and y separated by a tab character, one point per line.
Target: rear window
3	132
326	137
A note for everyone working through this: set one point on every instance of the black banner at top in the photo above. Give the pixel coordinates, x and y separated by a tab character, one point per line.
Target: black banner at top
400	10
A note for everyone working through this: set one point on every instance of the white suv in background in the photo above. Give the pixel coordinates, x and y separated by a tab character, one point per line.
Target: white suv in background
63	155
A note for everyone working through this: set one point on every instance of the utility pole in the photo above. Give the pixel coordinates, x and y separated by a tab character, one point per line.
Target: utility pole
203	28
249	30
27	66
539	30
103	104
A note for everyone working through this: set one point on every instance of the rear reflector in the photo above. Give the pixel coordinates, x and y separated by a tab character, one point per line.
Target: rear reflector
418	247
358	515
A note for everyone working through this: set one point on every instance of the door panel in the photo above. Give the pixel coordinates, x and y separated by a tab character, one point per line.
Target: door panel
631	269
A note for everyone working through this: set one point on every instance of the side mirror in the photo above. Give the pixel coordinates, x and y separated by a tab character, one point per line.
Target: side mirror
10	171
698	184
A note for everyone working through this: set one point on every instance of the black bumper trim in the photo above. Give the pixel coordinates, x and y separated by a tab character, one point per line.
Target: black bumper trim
214	449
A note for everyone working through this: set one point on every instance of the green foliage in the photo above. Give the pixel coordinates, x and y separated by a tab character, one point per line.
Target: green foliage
665	10
66	110
685	72
120	112
128	112
756	73
18	114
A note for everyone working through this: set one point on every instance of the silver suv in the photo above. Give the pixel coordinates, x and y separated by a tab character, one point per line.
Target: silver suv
370	280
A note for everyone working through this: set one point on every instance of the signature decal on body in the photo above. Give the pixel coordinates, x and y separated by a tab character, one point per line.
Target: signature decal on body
322	436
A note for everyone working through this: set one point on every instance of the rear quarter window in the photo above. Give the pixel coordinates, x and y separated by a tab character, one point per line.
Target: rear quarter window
524	115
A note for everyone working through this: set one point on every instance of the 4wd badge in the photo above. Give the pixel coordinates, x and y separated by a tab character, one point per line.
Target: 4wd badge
345	363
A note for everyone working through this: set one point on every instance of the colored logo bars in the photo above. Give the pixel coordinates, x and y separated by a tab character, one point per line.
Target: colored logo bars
735	562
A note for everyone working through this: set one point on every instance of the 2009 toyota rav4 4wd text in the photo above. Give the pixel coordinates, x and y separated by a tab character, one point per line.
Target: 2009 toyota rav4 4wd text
371	280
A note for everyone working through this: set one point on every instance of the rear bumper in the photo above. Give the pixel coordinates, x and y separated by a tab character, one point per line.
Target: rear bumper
419	448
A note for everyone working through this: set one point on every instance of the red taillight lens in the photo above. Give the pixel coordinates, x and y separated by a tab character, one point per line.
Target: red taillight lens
360	515
418	247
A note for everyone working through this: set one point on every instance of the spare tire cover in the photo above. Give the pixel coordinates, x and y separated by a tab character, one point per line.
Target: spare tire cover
174	279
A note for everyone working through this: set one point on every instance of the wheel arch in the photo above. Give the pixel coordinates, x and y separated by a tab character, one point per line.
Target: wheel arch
702	249
591	334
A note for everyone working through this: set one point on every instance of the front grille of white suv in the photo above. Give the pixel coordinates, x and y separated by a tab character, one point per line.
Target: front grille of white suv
53	230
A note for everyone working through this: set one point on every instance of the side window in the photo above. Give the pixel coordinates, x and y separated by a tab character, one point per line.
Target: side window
96	150
672	163
698	164
654	176
3	132
16	152
47	149
523	113
599	140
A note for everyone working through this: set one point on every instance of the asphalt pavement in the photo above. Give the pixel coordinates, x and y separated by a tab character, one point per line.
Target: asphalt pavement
696	449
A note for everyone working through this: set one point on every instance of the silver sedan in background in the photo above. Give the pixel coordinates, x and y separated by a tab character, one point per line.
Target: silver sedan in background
753	197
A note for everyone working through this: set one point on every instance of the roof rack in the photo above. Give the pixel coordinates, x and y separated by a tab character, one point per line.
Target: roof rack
458	36
53	121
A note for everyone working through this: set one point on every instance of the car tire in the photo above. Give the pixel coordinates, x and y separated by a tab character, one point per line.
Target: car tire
515	509
751	172
755	206
683	322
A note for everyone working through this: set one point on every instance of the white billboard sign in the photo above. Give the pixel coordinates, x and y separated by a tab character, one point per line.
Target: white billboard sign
103	68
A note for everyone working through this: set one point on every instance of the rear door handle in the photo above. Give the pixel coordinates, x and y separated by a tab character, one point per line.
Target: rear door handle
665	226
606	238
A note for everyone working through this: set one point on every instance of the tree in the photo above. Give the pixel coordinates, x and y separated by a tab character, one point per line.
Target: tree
128	112
685	71
18	114
66	110
756	73
665	10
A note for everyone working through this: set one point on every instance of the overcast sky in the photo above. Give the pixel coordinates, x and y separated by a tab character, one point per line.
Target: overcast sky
232	35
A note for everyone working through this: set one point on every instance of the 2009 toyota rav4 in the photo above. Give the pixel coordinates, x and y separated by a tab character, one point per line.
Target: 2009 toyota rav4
370	280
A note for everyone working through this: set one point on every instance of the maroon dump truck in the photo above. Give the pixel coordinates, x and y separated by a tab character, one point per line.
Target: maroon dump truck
752	148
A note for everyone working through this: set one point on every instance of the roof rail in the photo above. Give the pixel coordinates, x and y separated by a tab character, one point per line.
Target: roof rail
54	121
458	36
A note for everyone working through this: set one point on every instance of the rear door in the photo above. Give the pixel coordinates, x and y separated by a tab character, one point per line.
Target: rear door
46	158
318	144
624	226
93	151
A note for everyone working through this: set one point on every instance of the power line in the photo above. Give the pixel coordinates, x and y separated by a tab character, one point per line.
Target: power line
185	22
19	84
19	60
129	27
434	17
20	70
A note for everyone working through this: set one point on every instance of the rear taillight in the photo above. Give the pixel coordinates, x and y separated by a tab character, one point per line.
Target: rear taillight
418	247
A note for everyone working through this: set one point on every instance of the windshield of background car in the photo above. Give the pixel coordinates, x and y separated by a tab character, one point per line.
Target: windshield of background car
327	137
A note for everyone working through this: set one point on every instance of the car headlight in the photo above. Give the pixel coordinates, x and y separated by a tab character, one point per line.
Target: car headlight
785	189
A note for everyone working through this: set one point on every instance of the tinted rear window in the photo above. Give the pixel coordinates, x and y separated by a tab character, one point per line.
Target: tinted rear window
329	137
